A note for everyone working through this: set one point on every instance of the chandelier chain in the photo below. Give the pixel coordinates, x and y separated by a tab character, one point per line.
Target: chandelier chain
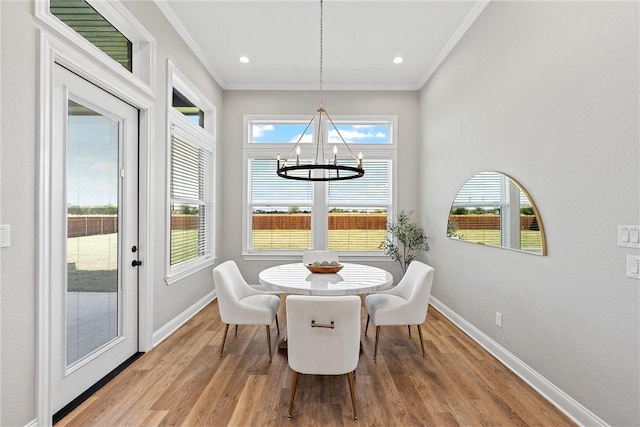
307	172
321	51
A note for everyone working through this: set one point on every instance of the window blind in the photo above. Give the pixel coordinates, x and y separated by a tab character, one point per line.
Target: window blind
373	189
190	171
267	188
486	189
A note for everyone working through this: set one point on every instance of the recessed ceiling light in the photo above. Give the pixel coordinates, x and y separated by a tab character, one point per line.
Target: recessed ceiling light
398	60
243	59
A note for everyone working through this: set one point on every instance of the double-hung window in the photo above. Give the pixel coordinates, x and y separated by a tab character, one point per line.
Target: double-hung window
191	190
285	217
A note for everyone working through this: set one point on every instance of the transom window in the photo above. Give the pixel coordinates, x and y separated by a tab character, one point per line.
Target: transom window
86	21
108	32
285	217
370	132
191	111
265	132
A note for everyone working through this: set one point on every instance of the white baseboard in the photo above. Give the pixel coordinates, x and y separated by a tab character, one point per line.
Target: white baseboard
171	326
558	398
33	423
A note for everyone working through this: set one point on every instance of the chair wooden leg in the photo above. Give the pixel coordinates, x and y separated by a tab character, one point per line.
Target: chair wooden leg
421	342
277	325
236	330
224	338
293	392
375	352
409	326
269	340
367	326
353	395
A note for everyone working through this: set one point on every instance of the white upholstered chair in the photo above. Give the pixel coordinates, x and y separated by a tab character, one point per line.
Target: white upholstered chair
240	304
406	304
309	257
323	338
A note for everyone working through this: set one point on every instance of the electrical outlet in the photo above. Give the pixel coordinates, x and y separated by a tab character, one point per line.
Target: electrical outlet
499	319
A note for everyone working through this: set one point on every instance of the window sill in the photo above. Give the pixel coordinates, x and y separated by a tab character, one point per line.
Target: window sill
188	270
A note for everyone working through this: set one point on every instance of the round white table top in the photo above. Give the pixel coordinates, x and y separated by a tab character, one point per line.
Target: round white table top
351	280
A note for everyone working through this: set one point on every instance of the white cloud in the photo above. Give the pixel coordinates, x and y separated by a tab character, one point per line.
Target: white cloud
306	138
349	135
259	130
363	126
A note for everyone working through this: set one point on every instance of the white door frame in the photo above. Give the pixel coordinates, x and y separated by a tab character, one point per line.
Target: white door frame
52	51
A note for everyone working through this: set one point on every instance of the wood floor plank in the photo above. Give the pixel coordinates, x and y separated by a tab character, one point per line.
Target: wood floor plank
243	414
202	413
184	382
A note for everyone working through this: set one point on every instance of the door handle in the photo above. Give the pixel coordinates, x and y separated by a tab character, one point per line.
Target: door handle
136	263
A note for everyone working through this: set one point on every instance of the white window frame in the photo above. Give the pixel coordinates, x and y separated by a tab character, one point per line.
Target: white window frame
204	138
142	42
320	205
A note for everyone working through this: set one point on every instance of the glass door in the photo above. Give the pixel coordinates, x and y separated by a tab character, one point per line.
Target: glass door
95	320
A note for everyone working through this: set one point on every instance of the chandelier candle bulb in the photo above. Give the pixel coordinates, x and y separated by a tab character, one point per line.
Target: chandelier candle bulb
360	160
298	156
335	154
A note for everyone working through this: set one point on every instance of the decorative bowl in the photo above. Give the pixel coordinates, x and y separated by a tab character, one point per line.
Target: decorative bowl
323	269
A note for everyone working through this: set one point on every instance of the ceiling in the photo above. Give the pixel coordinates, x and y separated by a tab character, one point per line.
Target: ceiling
282	40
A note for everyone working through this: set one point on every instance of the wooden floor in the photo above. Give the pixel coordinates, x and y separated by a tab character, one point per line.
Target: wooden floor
183	381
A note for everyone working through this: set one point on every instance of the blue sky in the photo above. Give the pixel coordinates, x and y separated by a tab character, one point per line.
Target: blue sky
377	133
92	164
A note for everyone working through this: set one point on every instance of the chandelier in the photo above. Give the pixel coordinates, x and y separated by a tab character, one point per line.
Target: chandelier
321	168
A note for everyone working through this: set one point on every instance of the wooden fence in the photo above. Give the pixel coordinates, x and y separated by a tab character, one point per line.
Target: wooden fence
78	226
106	224
184	222
490	222
338	221
93	225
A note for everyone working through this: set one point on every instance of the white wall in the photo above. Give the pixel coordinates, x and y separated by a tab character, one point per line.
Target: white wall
18	155
170	301
18	172
546	92
404	104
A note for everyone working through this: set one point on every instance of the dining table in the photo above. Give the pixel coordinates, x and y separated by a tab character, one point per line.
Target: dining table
296	278
352	279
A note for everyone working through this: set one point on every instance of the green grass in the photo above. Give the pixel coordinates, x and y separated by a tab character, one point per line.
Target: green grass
341	240
98	252
185	245
92	263
528	239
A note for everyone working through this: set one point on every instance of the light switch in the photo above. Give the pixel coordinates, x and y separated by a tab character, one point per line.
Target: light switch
633	266
629	236
5	236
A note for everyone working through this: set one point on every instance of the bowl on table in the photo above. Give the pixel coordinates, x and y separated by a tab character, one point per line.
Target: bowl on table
324	268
